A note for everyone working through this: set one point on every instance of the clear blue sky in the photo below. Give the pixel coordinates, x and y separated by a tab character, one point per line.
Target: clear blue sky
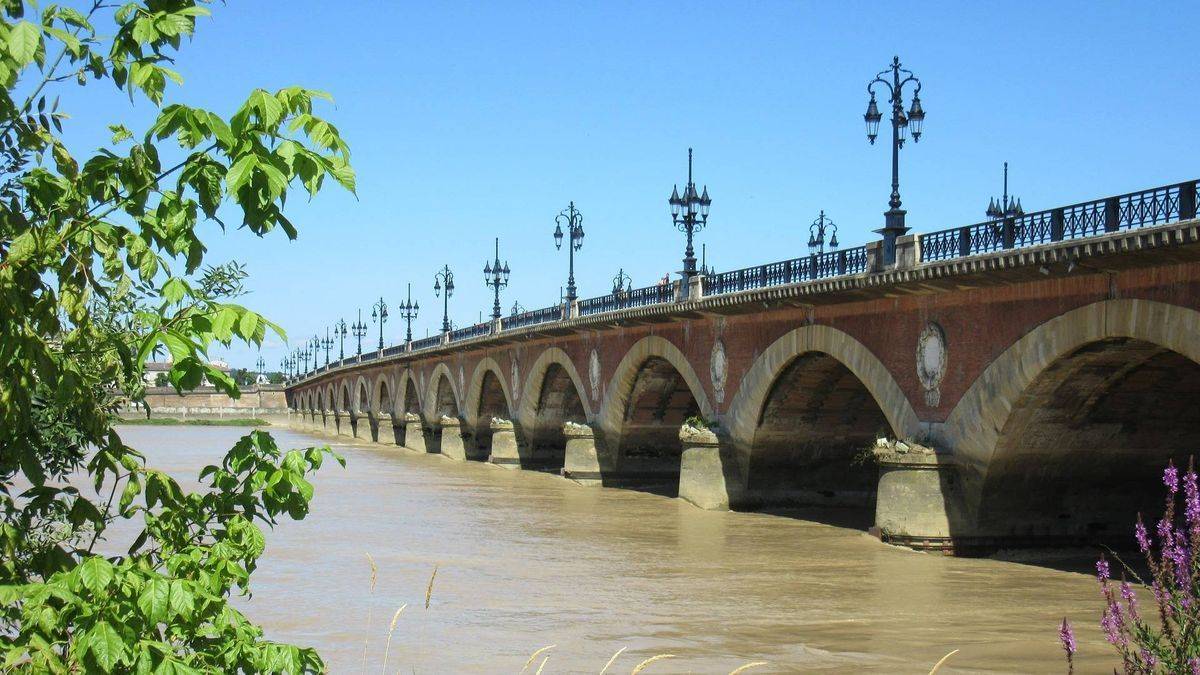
470	121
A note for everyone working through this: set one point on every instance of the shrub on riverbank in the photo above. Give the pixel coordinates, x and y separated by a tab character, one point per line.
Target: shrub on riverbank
101	269
1167	638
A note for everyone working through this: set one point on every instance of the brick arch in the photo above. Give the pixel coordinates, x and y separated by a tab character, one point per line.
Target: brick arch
344	400
978	430
361	386
383	397
742	419
535	379
434	391
475	390
409	400
611	418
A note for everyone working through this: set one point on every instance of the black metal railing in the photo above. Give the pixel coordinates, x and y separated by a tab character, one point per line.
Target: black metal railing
393	350
1155	206
638	297
534	317
471	331
796	270
425	343
369	356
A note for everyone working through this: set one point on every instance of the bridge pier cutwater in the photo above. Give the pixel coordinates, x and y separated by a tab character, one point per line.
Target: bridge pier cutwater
970	396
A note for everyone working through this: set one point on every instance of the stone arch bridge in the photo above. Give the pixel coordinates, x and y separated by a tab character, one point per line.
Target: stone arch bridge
1008	383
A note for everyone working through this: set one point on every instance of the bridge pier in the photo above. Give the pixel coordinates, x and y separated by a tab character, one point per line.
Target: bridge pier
381	429
341	423
504	451
708	471
581	462
414	433
452	445
918	497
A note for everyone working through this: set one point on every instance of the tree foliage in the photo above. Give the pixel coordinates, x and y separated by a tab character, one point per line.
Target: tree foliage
101	268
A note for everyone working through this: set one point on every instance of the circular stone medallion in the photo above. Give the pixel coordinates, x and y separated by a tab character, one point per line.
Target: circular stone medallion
931	361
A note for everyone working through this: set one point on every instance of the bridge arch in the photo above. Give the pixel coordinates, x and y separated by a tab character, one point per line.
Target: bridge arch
805	411
362	397
553	395
488	396
344	399
382	399
410	400
442	395
1066	432
652	391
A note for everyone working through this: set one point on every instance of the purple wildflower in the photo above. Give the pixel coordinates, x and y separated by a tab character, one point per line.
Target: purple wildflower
1171	478
1194	665
1143	538
1165	531
1150	659
1067	637
1191	509
1102	571
1130	599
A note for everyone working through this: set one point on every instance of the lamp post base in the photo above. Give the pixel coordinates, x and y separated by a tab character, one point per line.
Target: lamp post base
893	228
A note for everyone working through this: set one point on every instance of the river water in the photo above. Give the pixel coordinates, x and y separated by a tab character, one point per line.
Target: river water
525	560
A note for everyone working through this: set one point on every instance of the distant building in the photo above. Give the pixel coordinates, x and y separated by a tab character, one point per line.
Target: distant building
153	368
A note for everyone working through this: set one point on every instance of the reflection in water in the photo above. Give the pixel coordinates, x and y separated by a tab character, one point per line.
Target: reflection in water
528	559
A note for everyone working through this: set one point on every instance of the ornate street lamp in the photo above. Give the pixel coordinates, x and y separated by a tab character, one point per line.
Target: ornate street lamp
622	283
358	329
339	330
517	308
816	234
444	278
574	222
408	312
315	343
262	365
327	344
495	277
902	124
690	215
304	354
1003	208
379	313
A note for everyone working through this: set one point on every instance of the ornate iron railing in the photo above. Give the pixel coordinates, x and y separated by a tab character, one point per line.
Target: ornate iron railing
425	343
471	331
638	297
1088	219
796	270
534	317
393	350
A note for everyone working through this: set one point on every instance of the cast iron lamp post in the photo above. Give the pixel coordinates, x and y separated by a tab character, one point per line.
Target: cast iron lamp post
444	278
1003	208
305	353
690	215
574	222
817	231
262	365
622	283
285	367
358	329
327	344
379	312
408	312
495	277
914	121
517	308
316	349
339	329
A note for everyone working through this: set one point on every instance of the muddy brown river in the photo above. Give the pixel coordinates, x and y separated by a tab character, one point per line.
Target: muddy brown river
527	560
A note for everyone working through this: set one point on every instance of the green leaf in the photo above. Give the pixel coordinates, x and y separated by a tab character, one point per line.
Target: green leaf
23	42
106	646
240	172
180	599
154	600
96	573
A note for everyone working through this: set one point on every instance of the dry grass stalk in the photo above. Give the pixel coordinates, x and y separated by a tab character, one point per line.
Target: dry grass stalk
543	665
535	655
944	659
748	666
429	589
610	661
391	629
370	608
642	666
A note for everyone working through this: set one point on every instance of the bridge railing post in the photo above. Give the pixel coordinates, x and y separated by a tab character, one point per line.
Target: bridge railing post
1187	201
964	241
1009	233
1112	214
841	262
1057	217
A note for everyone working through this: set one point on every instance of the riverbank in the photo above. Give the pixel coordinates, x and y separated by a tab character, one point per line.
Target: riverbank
174	422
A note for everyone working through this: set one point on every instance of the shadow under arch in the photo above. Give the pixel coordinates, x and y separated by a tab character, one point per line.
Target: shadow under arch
803	417
553	396
652	391
487	397
1064	436
383	406
442	400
